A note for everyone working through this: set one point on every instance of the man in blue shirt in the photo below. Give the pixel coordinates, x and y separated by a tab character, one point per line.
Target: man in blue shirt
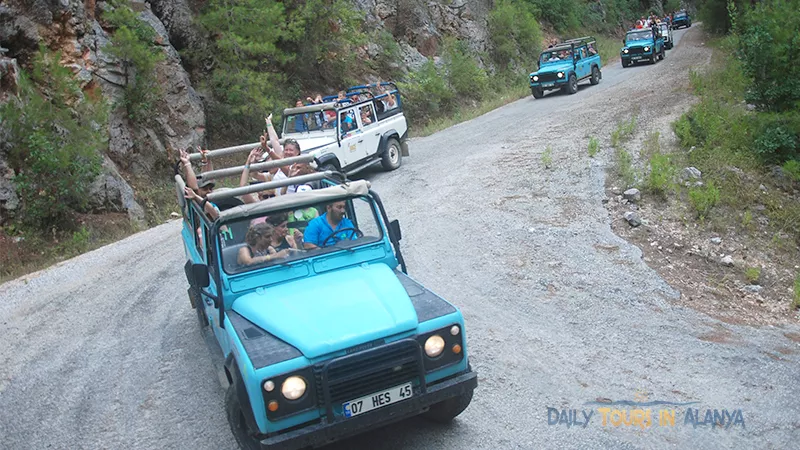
326	225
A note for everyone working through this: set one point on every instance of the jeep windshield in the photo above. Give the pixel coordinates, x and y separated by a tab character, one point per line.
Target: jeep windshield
280	238
310	121
555	55
639	36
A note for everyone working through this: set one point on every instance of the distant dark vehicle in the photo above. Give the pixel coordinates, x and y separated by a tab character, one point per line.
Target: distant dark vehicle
681	19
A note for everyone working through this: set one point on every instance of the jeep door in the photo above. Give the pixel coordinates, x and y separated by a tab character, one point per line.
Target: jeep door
582	66
350	134
370	139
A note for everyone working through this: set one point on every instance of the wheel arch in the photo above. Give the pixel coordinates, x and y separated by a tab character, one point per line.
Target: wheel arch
384	143
329	158
235	378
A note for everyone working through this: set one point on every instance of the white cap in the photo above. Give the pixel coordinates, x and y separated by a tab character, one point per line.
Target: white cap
303	188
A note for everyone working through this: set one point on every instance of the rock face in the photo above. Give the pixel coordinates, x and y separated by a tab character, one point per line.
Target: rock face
422	24
75	28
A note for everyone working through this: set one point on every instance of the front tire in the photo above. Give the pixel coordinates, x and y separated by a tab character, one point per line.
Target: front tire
537	93
237	422
595	79
447	410
572	84
392	157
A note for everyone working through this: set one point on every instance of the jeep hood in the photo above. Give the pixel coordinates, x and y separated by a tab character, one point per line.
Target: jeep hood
640	43
561	66
332	311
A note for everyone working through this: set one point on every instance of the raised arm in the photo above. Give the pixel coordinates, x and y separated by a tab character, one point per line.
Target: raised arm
273	138
188	172
209	208
206	163
254	156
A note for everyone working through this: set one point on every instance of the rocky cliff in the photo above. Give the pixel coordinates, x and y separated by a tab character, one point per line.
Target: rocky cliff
76	29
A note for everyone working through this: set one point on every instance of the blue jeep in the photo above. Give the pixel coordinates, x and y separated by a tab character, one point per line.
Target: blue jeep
328	339
681	19
642	45
564	65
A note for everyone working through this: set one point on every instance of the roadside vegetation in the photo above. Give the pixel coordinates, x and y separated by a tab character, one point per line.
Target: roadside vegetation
743	136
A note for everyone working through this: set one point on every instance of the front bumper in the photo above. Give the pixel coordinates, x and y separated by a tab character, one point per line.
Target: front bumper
324	433
548	85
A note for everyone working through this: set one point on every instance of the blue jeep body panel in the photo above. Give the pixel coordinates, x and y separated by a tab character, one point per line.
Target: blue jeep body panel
308	317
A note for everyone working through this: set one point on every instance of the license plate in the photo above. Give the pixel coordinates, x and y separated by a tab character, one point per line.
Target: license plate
377	400
548	84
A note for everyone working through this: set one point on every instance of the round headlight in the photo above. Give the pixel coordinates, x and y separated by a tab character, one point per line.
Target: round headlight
434	346
560	74
647	49
535	78
293	388
625	51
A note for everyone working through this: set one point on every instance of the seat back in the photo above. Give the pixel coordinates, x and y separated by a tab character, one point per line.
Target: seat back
230	257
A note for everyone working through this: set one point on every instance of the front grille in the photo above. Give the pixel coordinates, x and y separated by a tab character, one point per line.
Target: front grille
367	372
547	76
636	50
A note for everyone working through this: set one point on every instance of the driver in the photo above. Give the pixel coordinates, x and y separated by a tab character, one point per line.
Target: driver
319	231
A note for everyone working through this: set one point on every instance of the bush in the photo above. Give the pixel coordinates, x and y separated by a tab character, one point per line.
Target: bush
515	34
662	171
769	36
752	274
564	15
703	199
132	42
594	146
55	148
426	94
466	77
792	169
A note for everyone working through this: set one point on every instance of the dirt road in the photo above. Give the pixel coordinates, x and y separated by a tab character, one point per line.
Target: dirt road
103	351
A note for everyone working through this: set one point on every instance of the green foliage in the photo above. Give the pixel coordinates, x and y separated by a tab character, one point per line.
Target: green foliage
623	132
426	93
792	169
594	146
464	74
704	198
515	34
547	157
132	43
796	301
662	172
564	15
267	52
387	61
769	36
56	140
752	274
624	166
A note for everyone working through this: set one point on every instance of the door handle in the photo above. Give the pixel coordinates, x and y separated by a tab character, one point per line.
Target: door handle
360	141
377	134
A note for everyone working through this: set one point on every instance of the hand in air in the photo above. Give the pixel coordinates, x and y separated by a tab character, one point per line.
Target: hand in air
204	153
189	193
255	155
184	156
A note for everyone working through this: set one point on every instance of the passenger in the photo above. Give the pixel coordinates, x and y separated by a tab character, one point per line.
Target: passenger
194	190
296	171
299	219
323	227
365	116
254	157
280	240
257	251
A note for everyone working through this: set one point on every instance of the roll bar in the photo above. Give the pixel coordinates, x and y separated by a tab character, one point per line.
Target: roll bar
244	190
237	170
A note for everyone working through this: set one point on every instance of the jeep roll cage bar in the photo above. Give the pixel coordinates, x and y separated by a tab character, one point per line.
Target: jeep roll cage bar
570	45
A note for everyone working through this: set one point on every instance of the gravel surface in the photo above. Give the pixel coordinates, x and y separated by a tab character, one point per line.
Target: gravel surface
103	351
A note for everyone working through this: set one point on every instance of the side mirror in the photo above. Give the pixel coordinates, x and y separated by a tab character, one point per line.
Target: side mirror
200	273
394	230
623	41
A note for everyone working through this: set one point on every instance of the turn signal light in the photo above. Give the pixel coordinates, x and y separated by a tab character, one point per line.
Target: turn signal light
456	349
273	406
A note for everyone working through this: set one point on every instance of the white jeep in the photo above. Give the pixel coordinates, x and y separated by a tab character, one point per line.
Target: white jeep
349	136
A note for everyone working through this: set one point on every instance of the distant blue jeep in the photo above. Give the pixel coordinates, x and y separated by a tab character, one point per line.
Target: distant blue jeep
321	341
564	65
642	45
681	19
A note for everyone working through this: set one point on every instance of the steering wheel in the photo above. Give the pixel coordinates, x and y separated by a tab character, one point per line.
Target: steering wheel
352	231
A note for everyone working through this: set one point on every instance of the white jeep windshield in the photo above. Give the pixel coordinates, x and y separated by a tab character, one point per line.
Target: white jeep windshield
310	121
283	237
